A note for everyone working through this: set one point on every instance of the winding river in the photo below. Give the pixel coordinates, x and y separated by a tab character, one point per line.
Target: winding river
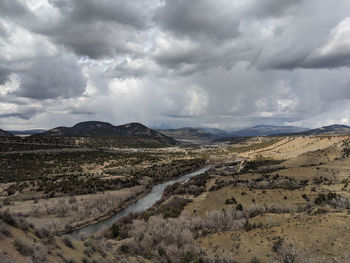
140	205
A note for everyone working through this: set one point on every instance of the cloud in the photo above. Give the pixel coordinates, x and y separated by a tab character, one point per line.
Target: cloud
52	78
336	52
43	71
174	62
12	8
96	28
219	20
21	111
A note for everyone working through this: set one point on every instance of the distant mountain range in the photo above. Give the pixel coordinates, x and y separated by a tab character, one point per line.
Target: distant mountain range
331	129
188	133
266	130
212	133
217	133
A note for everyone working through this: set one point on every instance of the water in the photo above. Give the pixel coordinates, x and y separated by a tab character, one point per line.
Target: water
140	205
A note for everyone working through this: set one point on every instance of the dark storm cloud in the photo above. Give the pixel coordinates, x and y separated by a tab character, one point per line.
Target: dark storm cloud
26	115
96	28
278	34
125	12
197	18
12	8
215	19
273	8
52	78
4	74
22	111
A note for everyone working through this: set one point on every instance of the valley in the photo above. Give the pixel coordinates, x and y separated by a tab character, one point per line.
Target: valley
278	198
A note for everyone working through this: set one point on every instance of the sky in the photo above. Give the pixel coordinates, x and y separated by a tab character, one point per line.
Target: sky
174	63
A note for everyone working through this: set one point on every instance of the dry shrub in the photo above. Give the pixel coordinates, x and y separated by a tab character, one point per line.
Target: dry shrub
39	254
68	242
171	236
5	230
24	247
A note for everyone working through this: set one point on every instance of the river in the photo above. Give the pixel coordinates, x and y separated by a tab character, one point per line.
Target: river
140	205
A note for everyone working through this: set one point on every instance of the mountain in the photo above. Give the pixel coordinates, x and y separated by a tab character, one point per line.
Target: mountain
331	129
124	135
82	129
5	134
188	133
265	130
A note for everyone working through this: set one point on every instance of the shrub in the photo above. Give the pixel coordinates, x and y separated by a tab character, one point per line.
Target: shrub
305	197
288	254
125	249
320	211
88	252
320	199
115	230
239	207
171	209
190	257
68	242
250	226
72	200
277	244
82	236
7	218
5	230
23	247
42	233
230	201
39	254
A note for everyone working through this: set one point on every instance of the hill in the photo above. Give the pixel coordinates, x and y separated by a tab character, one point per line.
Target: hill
331	129
5	134
103	132
266	130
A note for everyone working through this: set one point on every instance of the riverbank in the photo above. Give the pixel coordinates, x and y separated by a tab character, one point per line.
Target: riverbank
142	204
127	203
